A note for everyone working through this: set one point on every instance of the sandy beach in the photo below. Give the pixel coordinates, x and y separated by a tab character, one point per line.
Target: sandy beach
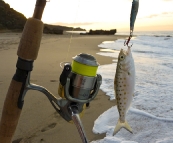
39	122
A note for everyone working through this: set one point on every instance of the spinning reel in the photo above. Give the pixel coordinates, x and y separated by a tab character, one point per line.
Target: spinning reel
79	85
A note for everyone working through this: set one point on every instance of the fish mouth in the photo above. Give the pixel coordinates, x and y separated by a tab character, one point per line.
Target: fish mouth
128	52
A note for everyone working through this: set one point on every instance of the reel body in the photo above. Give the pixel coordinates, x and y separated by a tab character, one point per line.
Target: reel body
78	87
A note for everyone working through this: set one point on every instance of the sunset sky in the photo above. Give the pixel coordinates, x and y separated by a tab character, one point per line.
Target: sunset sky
102	14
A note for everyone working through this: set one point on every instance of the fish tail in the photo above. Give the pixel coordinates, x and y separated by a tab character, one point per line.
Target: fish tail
122	125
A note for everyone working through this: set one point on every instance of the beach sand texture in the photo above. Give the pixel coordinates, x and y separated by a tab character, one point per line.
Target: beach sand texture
39	122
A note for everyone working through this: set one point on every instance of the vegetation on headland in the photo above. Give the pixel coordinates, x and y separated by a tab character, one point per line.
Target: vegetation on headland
11	20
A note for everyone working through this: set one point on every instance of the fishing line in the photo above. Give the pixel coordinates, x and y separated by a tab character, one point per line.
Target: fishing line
71	36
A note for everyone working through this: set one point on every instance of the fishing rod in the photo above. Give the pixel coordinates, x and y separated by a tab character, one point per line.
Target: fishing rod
27	53
134	11
79	81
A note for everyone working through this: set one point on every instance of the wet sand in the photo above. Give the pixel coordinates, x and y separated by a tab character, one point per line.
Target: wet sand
39	122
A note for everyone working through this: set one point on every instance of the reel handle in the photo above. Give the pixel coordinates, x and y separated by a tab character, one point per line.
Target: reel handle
77	121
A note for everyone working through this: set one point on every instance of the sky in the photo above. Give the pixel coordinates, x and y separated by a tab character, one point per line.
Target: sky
153	15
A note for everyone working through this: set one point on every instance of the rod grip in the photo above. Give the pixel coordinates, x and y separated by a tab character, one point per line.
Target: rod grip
30	41
10	113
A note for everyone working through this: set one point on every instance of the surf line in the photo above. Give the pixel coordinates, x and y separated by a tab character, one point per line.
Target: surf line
143	113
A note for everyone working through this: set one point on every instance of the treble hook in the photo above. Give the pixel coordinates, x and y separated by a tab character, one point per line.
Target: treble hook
126	42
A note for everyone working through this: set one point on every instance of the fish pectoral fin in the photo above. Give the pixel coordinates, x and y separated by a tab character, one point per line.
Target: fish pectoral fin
122	125
115	88
115	84
116	102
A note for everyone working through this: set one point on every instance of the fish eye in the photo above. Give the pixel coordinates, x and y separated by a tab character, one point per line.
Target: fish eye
121	57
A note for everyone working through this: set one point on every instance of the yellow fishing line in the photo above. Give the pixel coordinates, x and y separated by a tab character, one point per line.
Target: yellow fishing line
84	69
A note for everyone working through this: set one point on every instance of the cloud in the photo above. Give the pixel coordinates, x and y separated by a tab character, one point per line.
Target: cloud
153	15
168	14
73	24
167	0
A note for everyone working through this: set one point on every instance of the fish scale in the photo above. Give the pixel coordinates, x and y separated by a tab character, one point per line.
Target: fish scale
121	97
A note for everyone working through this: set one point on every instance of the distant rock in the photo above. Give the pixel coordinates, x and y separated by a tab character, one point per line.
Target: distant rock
57	29
53	30
102	32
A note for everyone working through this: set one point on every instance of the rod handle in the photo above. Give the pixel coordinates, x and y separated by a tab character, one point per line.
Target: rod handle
30	41
10	112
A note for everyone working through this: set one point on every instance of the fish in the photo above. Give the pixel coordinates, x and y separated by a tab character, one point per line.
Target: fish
124	85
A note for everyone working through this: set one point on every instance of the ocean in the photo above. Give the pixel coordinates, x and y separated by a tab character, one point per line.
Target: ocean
151	112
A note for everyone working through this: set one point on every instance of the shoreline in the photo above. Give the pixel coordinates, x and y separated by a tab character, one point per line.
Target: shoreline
40	122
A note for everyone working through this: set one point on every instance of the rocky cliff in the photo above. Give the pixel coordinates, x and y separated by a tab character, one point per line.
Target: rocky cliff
9	18
12	20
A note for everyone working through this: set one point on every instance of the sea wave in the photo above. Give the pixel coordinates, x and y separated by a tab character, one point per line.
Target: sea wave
149	33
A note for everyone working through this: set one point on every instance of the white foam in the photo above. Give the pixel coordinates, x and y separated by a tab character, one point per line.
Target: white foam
151	113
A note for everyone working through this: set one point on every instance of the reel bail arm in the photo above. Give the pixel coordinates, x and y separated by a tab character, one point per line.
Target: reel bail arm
92	95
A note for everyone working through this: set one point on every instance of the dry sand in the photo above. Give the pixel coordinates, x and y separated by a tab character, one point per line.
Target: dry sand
39	122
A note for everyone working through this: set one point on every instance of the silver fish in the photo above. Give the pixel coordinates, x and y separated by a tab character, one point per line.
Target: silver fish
124	84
